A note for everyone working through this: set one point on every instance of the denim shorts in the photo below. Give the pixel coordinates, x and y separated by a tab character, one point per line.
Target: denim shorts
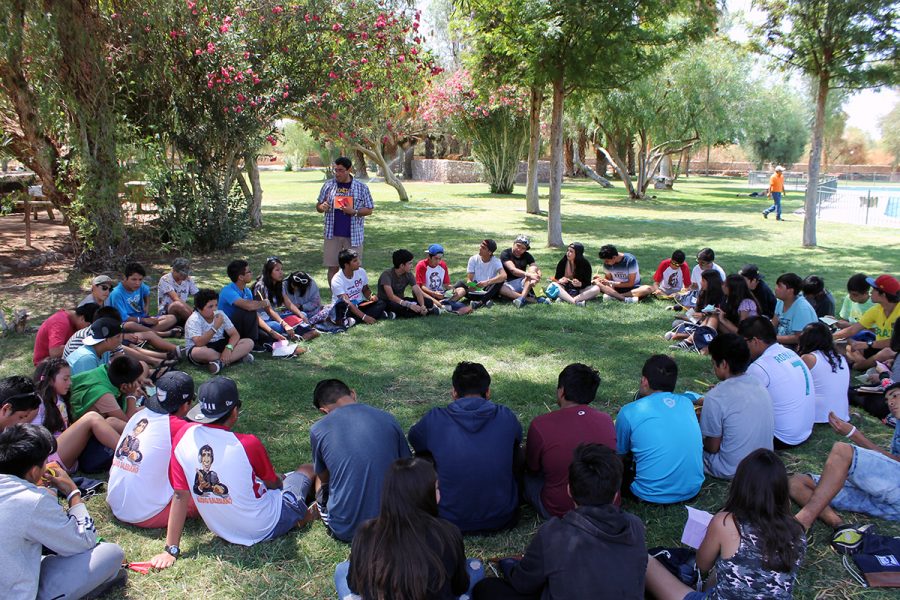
516	285
293	508
695	596
871	486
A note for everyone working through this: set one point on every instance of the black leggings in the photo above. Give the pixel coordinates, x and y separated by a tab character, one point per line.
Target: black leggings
247	324
406	313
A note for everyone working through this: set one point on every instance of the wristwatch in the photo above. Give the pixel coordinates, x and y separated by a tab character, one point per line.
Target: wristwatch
869	343
173	551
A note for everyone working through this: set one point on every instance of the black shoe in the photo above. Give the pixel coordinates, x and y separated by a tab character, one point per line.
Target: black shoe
765	215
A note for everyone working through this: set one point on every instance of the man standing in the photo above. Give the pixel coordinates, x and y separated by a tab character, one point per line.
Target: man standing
787	379
553	437
175	287
345	202
475	446
737	414
659	435
775	191
352	446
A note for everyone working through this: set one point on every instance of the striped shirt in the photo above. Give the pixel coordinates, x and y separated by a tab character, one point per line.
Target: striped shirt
361	199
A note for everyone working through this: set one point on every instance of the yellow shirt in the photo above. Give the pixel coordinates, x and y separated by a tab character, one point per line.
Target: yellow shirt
776	182
881	324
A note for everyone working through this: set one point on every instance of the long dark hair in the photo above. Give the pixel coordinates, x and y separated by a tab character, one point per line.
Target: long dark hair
713	293
398	553
817	336
758	496
738	291
273	288
46	372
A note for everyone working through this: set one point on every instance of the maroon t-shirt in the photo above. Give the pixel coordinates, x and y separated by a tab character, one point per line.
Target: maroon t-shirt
553	437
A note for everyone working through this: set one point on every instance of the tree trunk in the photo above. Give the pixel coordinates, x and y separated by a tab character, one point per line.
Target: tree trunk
554	220
708	148
408	154
581	148
389	177
256	191
632	166
429	147
589	172
532	196
612	155
360	171
687	162
815	159
570	164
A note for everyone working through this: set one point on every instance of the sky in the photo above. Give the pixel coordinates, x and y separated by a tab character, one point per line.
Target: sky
864	109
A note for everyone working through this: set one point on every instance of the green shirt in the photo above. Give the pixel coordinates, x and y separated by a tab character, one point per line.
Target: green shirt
851	311
88	387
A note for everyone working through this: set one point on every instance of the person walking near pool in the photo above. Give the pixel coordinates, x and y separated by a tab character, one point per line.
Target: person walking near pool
775	191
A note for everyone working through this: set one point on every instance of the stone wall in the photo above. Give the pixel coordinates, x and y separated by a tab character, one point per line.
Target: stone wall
462	171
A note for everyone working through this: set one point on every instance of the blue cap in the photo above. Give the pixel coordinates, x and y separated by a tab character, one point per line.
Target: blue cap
435	249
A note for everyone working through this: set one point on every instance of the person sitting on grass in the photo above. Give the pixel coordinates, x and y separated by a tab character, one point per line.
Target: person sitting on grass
659	439
792	311
706	259
859	477
236	301
522	273
573	273
698	327
139	491
210	338
53	333
78	564
230	478
485	276
351	294
764	295
18	401
552	437
96	349
621	279
855	304
738	304
737	413
174	289
353	447
596	551
787	380
753	547
818	297
302	290
130	298
132	345
92	433
830	371
101	286
672	276
281	314
475	446
393	283
407	551
433	276
879	320
111	390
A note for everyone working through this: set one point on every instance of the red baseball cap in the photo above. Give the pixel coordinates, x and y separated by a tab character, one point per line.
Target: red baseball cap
885	283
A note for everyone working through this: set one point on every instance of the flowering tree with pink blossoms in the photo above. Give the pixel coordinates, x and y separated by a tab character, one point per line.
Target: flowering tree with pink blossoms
496	123
378	73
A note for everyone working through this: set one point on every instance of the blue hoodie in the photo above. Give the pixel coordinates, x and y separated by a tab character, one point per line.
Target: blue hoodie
473	442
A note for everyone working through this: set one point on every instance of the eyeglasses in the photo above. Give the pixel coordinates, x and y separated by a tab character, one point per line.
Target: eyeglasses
104	287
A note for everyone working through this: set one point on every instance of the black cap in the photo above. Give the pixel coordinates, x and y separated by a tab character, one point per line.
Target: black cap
101	330
172	390
750	271
218	397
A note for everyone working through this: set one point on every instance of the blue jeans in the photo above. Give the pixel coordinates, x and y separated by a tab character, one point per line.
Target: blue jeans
776	206
871	486
474	567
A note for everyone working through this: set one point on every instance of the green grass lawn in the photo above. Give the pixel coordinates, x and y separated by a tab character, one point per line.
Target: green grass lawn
405	366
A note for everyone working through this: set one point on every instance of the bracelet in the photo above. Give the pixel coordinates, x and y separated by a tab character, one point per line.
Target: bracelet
851	432
229	347
72	493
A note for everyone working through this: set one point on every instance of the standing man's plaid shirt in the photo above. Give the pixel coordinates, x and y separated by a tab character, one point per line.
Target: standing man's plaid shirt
361	199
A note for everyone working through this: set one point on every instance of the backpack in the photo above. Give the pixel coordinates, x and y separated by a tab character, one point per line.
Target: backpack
876	563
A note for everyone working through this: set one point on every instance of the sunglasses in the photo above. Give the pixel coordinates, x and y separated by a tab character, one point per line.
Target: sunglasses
105	287
299	279
272	259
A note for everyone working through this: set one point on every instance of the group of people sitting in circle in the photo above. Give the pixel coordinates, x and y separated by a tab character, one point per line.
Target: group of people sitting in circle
106	395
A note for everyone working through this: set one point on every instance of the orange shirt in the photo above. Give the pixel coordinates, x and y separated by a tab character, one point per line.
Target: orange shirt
776	182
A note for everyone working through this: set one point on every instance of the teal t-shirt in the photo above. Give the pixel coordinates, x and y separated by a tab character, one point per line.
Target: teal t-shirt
852	311
799	315
662	432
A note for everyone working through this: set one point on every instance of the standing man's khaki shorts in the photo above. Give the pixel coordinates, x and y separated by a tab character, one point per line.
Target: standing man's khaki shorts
333	247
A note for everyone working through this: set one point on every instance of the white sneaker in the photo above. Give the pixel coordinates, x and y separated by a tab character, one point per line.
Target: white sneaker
518	302
248	359
580	303
669	335
630	300
215	367
607	297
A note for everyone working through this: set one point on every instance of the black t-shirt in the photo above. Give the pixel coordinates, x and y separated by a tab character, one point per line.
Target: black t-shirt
521	262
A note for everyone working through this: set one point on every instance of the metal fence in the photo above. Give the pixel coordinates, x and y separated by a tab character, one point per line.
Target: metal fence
860	205
793	181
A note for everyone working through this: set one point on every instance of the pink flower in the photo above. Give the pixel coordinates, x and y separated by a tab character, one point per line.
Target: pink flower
238	109
190	4
277	10
364	35
364	61
210	48
332	75
198	52
241	97
173	34
284	95
337	27
401	58
246	55
223	29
